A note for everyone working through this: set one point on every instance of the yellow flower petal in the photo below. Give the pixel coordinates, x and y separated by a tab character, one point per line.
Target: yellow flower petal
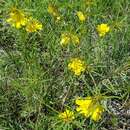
81	16
18	25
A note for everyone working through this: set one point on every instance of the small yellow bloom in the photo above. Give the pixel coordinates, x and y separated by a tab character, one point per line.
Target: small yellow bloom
67	115
77	66
33	25
81	16
66	38
85	106
17	18
103	29
89	107
54	11
97	113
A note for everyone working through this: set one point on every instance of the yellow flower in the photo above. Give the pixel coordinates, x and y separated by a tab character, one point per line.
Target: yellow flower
97	113
33	25
17	18
85	106
81	16
54	11
89	107
77	66
66	38
67	115
103	29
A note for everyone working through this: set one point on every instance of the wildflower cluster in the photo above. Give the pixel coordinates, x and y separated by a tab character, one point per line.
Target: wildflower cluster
17	18
88	107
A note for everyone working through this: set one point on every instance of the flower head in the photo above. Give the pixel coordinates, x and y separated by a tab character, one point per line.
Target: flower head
85	106
67	115
81	16
33	25
17	18
77	66
89	107
97	113
66	38
54	11
103	29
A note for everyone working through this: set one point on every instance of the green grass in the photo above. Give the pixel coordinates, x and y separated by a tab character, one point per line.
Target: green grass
35	83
